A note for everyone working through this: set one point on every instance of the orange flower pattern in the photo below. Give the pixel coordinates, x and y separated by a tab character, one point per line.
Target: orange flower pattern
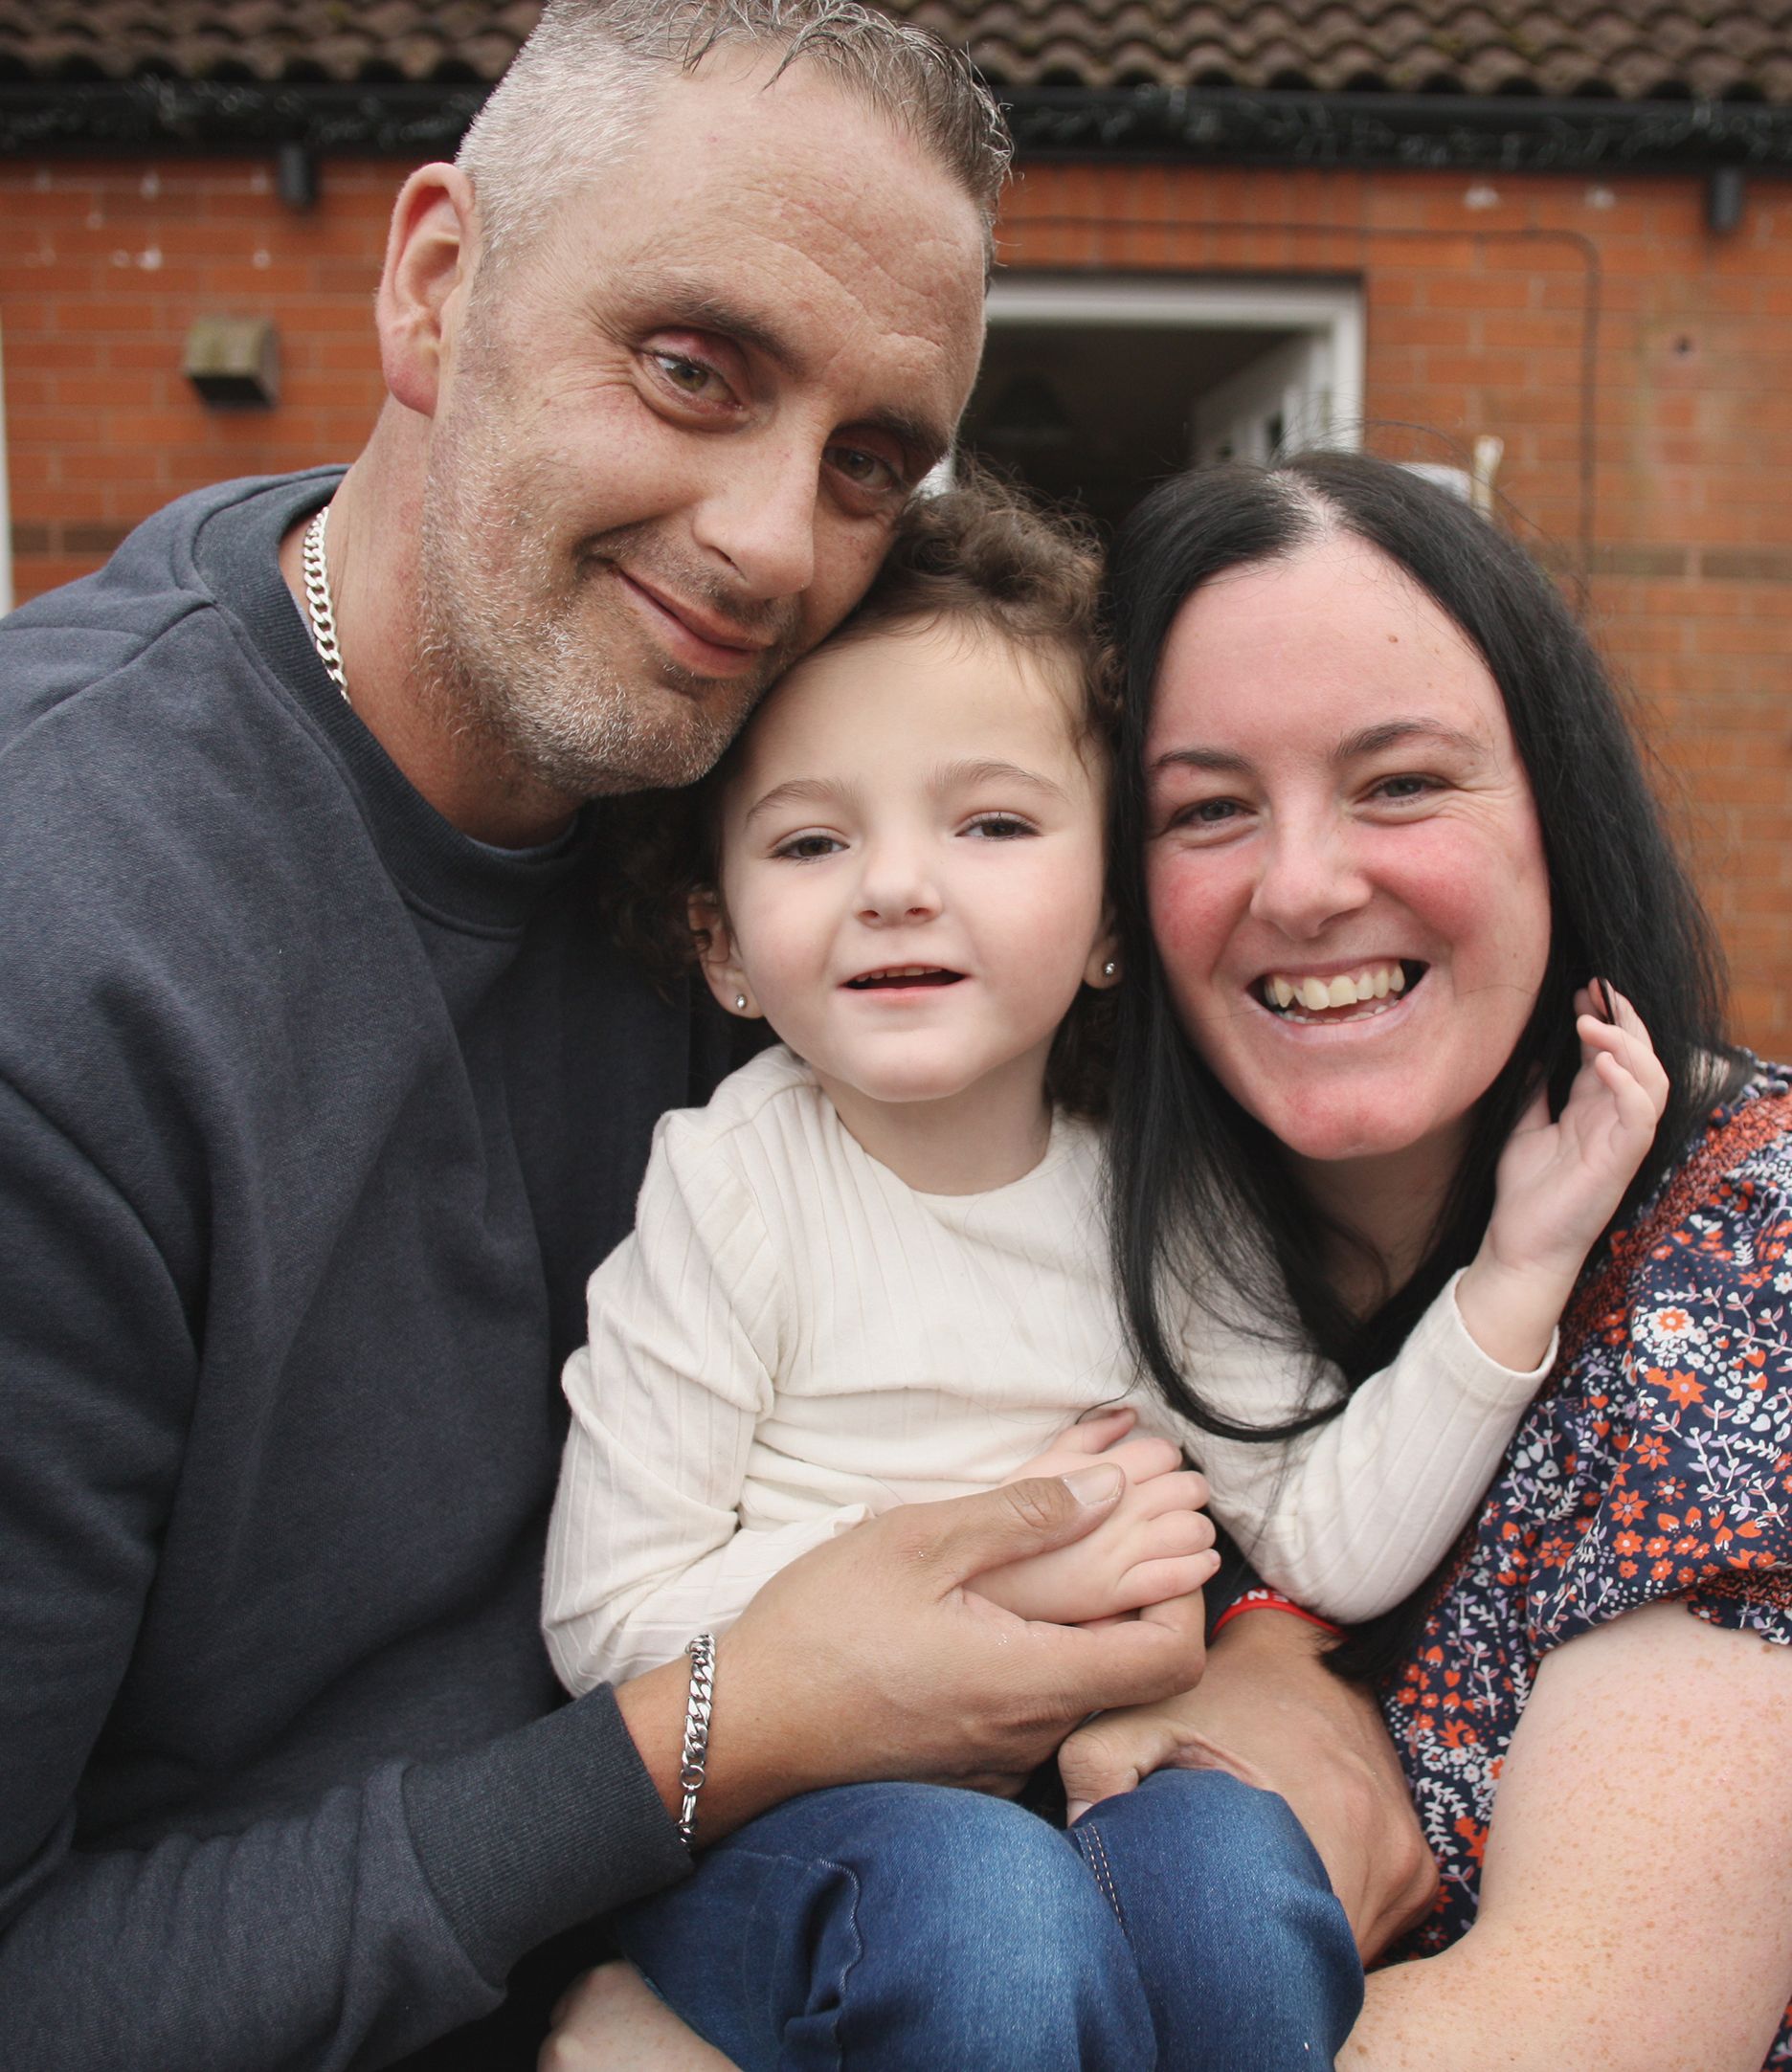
1656	1462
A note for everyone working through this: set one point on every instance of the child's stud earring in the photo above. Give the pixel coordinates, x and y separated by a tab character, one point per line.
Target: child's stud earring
740	1003
1109	969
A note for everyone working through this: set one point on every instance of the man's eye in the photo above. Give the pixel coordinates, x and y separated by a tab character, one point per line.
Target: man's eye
806	848
867	469
999	827
691	377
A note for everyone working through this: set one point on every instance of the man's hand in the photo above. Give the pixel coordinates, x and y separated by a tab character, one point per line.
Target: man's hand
1268	1711
1154	1545
868	1658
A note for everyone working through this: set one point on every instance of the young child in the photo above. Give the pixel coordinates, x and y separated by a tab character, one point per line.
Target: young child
872	1271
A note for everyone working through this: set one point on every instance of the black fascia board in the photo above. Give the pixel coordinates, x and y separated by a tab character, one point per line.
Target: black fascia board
1509	133
1504	133
239	118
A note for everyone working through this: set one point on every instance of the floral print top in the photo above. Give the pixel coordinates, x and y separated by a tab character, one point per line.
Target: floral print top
1656	1462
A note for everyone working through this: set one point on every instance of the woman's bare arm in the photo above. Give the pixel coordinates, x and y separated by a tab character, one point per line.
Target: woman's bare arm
1636	1909
609	2021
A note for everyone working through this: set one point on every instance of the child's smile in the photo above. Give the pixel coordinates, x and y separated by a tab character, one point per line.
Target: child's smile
904	978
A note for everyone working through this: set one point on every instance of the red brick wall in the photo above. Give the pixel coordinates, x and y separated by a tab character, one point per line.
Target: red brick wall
102	269
1595	325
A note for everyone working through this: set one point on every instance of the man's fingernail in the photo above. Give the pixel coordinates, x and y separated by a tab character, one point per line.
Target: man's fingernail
1073	1813
1099	1484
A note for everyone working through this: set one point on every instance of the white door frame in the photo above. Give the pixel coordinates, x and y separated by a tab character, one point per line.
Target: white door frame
1330	312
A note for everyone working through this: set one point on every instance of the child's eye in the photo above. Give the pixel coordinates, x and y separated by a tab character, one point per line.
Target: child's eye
1000	827
806	848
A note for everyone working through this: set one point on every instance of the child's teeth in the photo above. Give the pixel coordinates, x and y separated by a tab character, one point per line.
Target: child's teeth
1282	992
1314	992
1397	980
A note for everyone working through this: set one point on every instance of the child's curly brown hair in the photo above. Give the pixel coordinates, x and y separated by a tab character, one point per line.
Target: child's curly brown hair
983	552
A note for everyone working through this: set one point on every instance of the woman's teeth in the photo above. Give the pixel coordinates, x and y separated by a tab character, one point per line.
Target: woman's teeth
1368	987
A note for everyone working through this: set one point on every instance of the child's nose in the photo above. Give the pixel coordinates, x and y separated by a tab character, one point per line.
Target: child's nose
897	886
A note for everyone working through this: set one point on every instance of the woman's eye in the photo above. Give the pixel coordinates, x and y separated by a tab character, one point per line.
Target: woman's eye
1408	785
999	827
806	848
1207	812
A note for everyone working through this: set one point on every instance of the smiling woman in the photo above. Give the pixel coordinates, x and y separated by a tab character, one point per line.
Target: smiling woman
1380	818
1361	728
1334	793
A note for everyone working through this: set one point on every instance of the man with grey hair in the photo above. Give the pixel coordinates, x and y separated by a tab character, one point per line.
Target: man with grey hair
321	1089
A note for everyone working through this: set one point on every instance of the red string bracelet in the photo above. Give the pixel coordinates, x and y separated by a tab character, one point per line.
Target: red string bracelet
1260	1598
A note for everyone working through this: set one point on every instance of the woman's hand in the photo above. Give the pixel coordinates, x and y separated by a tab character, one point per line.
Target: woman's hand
1560	1184
1269	1710
1117	1752
1155	1546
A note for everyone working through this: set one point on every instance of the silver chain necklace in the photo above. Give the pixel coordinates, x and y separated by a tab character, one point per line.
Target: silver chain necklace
317	607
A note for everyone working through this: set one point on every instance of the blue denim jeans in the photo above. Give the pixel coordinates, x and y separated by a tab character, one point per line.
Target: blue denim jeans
1187	1926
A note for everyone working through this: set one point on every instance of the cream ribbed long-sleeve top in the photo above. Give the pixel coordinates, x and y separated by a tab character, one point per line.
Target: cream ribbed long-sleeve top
794	1340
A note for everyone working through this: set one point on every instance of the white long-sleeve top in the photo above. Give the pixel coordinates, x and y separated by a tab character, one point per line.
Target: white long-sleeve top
794	1340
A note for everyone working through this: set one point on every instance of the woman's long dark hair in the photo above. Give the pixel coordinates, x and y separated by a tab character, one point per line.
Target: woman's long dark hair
1204	1207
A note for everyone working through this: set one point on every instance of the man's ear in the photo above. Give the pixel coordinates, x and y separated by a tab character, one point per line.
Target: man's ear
430	250
715	953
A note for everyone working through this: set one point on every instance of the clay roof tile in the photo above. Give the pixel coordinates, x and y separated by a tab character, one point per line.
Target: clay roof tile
1712	49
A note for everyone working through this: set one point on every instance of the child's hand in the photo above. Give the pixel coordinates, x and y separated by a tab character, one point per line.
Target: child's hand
1078	1444
1156	1545
1558	1183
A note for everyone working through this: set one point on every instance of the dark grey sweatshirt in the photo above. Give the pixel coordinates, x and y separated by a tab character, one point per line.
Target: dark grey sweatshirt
314	1114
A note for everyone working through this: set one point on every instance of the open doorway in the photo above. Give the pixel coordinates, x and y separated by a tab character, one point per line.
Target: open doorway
1094	389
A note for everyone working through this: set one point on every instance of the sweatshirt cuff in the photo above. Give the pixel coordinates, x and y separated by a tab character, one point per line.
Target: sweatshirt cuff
1477	1373
540	1830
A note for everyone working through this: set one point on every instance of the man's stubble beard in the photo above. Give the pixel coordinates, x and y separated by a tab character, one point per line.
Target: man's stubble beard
512	646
